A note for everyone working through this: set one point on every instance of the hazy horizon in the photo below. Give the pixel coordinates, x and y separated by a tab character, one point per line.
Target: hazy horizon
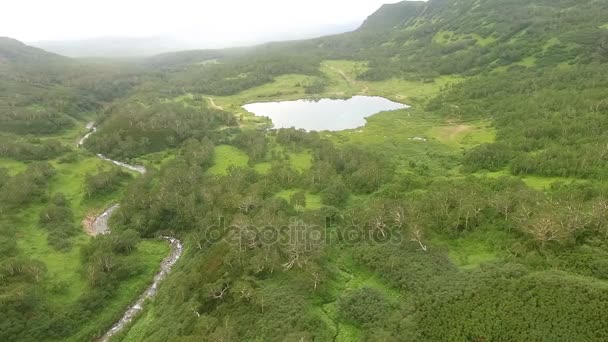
220	23
144	46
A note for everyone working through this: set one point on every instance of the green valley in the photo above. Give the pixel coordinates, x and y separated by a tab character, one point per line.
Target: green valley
479	213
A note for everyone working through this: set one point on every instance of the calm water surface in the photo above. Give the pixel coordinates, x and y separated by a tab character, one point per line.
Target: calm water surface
324	114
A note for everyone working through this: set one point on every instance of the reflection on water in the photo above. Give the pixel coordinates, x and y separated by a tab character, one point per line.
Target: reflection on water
324	114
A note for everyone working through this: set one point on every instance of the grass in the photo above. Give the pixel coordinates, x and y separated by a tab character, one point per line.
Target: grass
392	134
483	133
63	268
544	183
262	168
551	42
64	283
138	327
359	277
484	41
157	159
527	62
463	135
474	249
536	182
342	78
13	166
345	332
70	138
149	254
443	37
446	37
343	81
301	161
225	157
70	178
285	87
605	26
313	201
347	276
388	132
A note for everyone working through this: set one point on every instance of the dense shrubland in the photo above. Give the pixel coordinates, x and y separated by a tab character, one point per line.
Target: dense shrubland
550	122
30	149
535	69
236	279
26	187
242	73
104	182
57	218
141	126
29	291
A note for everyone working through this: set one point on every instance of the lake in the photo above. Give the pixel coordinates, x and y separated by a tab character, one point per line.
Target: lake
324	114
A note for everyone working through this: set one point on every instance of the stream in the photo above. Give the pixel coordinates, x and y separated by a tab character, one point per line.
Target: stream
92	129
165	267
100	226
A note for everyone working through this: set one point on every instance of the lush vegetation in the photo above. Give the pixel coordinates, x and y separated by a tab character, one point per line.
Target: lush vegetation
479	214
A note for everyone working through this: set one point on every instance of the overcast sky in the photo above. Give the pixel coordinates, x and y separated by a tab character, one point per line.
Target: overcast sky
230	20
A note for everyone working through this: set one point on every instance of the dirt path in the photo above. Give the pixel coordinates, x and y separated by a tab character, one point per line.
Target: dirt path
453	132
349	80
346	78
212	103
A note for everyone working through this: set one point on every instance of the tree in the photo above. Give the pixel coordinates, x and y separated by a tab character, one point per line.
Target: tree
298	199
57	218
336	194
125	241
363	306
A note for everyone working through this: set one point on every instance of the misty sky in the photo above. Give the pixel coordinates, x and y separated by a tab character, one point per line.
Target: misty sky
190	20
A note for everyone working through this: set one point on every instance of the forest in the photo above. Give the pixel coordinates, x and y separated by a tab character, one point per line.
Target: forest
478	214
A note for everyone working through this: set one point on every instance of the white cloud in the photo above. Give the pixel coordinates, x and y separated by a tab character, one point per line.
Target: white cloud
32	20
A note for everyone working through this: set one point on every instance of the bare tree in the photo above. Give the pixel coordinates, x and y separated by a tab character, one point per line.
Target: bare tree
600	216
416	236
543	230
219	293
378	225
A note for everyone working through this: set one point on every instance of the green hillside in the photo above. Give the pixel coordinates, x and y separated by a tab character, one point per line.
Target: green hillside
480	213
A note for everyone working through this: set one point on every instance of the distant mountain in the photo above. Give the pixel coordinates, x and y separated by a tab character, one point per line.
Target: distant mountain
42	92
148	46
18	60
393	15
14	51
113	46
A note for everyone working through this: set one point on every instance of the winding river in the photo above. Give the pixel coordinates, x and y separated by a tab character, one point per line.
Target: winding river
100	226
165	267
92	129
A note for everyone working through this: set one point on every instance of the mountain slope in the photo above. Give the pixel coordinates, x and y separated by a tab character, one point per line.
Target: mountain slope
42	92
423	40
504	241
390	16
478	214
19	60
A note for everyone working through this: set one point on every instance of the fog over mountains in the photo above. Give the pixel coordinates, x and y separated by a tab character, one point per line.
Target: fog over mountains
146	46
